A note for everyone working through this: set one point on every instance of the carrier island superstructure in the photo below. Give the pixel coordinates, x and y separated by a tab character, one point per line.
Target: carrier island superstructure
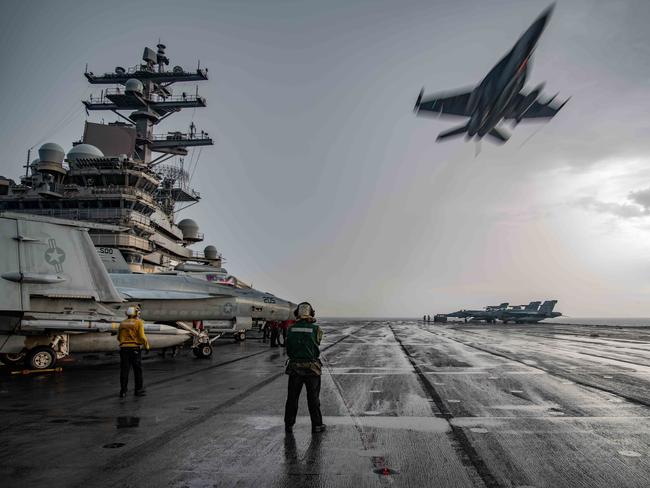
125	173
124	183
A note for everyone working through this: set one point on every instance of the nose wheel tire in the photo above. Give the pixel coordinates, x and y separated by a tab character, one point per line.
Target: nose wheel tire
203	351
41	357
240	336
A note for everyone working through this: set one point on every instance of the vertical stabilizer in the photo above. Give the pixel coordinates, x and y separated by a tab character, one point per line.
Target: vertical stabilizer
547	307
533	306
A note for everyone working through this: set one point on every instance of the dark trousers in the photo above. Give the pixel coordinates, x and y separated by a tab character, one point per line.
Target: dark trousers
130	357
312	385
275	334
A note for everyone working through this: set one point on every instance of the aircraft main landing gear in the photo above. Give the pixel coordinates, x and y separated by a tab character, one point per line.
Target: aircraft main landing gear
12	359
41	357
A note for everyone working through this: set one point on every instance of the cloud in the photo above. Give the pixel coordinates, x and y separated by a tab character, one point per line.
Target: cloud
641	197
622	210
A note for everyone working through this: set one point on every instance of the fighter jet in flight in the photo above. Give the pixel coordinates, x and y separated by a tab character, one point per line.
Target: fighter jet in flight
498	97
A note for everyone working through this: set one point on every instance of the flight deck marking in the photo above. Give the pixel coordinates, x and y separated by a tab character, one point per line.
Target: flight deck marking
583	383
465	447
629	453
136	454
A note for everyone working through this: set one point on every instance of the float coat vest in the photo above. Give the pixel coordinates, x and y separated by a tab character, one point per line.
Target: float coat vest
303	339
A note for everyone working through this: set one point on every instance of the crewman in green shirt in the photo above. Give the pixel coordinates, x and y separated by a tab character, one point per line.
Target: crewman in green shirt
132	338
304	367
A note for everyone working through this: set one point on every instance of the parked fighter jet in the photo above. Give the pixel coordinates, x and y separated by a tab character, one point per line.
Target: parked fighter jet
56	296
532	306
498	97
489	314
530	316
196	296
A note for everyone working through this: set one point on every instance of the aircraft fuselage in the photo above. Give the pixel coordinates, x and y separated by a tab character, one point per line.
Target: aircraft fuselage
494	98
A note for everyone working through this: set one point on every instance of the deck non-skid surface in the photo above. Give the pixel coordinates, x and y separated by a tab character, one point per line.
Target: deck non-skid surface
406	404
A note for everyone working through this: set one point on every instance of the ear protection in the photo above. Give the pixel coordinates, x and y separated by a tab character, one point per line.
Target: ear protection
131	312
304	309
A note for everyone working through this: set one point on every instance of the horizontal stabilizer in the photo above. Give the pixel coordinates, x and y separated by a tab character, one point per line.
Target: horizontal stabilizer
452	133
499	135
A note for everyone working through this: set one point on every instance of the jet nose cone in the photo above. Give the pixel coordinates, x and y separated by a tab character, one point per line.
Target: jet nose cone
531	36
541	21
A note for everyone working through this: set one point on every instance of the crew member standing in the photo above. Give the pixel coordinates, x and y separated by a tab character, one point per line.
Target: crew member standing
304	367
284	328
132	339
275	333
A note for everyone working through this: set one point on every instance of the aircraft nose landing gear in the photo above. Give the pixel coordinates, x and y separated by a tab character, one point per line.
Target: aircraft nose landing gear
202	351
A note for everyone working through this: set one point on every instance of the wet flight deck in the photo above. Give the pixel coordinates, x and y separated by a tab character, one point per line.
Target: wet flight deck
406	404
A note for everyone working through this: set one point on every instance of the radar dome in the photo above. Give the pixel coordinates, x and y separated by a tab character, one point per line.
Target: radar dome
189	228
51	153
133	86
84	151
210	252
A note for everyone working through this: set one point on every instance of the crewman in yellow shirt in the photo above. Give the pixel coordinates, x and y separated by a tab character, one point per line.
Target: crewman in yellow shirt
132	338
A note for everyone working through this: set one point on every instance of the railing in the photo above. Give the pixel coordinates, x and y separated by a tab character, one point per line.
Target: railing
201	255
152	98
180	136
121	240
94	214
124	190
49	187
140	69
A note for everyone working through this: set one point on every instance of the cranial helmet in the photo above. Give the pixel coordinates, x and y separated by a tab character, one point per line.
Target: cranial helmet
132	311
304	310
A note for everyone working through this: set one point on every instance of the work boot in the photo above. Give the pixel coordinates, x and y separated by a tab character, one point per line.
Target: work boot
140	393
317	429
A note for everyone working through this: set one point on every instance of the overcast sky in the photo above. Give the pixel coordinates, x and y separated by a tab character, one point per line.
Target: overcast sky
323	185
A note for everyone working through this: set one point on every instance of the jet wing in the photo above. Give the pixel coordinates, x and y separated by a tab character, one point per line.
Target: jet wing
142	294
540	110
444	104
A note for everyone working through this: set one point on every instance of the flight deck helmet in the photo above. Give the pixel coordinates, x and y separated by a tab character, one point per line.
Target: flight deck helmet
132	312
304	310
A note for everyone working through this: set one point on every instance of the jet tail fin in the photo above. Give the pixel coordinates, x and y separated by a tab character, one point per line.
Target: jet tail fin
451	133
533	306
499	135
547	306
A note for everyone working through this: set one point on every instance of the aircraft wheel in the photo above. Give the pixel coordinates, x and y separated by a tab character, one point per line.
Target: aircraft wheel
203	351
41	357
242	335
12	359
